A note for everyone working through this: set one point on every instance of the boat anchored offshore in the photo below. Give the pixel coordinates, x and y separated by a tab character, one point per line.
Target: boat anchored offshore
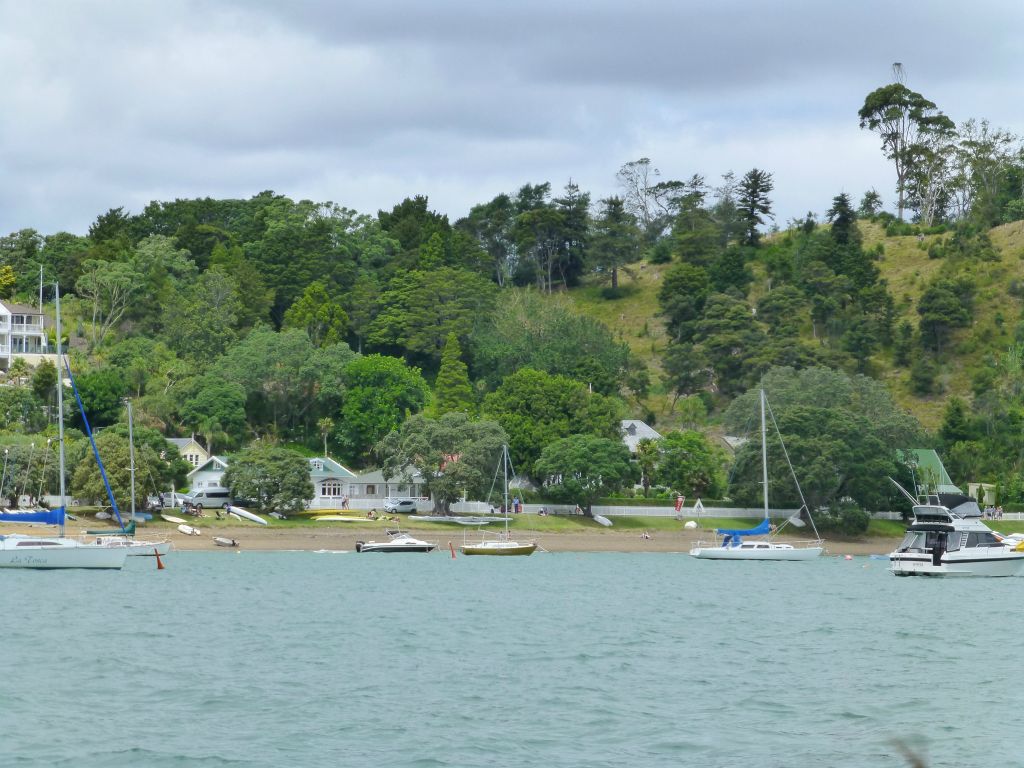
397	542
733	547
947	538
503	544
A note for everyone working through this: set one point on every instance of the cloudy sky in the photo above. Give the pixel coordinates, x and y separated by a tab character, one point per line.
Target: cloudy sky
116	103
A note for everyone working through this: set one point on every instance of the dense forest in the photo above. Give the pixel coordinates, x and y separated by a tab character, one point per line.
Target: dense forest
269	325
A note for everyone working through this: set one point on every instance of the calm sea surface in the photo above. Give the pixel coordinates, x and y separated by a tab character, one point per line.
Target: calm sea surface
307	659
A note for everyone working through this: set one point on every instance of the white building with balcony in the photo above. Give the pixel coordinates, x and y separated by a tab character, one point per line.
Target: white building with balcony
21	334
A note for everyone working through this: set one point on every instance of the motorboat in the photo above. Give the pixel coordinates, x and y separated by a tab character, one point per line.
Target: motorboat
948	538
397	542
733	545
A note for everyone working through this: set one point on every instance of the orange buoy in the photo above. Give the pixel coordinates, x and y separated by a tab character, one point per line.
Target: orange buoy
159	562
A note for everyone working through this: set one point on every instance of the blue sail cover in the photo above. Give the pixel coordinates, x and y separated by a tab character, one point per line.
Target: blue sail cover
40	516
763	528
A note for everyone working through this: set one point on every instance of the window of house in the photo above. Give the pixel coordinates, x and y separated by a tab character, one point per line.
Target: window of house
332	488
371	490
317	465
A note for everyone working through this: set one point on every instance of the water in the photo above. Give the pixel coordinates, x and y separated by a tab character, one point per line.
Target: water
304	659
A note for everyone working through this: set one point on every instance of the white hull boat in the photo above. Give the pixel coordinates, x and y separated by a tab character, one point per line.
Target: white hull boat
49	552
246	514
401	542
732	545
947	538
757	550
138	547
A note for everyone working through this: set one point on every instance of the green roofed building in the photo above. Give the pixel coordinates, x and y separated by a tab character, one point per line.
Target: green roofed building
929	474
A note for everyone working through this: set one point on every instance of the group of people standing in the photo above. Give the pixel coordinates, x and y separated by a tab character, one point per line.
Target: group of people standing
992	513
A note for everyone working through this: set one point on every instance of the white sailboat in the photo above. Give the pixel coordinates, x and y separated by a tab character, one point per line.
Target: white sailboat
53	552
125	538
503	544
733	547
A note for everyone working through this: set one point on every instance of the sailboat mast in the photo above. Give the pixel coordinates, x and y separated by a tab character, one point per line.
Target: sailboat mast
764	457
131	455
504	468
60	409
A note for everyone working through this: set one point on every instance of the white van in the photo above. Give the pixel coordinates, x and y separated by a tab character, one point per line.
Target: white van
211	498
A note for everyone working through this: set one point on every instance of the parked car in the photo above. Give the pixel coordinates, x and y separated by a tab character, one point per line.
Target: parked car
169	500
400	505
211	498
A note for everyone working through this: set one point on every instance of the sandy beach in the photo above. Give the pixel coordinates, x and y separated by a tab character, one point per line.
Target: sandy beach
344	536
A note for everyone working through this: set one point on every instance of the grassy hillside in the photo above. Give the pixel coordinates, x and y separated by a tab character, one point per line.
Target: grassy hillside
907	269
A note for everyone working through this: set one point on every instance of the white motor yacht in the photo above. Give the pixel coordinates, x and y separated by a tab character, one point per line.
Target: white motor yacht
948	538
398	542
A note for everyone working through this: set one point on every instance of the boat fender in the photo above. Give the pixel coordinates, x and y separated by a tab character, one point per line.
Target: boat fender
359	546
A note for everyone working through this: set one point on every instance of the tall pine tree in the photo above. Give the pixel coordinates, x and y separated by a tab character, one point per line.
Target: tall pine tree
452	390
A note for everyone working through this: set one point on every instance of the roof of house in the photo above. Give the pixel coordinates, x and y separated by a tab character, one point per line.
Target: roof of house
220	461
181	442
328	468
376	476
635	430
20	309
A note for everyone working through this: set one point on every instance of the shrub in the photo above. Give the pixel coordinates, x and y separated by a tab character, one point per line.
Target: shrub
844	518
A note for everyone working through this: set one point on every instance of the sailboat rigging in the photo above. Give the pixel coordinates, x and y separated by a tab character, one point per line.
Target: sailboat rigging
733	547
503	545
51	552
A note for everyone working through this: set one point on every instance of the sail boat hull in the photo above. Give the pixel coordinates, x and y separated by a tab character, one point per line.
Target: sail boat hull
760	550
500	548
52	552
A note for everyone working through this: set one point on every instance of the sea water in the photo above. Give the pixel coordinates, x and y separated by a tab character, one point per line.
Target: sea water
343	659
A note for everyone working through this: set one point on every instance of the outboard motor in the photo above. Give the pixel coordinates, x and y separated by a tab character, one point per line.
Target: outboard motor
359	546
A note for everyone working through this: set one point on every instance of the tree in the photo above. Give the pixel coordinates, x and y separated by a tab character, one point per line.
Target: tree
902	118
730	339
326	426
535	408
420	309
381	393
682	295
8	279
582	468
109	287
615	242
112	445
275	478
216	410
870	204
453	455
527	330
452	389
843	219
201	324
942	307
320	316
690	464
647	453
102	392
753	203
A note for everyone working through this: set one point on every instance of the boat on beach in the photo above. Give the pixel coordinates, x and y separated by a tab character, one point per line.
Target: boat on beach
223	541
732	545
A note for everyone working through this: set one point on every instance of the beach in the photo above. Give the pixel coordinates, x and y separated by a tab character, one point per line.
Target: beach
343	536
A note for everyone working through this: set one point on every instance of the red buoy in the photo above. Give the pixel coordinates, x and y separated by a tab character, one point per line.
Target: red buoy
159	562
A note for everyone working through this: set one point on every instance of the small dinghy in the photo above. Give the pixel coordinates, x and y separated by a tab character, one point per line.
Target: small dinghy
172	519
188	530
221	541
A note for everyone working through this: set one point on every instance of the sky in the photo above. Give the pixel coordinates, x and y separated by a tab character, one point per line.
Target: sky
363	103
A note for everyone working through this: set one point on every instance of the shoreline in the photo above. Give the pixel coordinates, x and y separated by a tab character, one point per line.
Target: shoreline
344	536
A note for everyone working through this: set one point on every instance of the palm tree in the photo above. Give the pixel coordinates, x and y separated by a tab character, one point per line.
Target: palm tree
326	424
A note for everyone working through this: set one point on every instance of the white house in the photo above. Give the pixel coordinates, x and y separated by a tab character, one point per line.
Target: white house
209	474
635	430
331	483
21	334
190	450
373	487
